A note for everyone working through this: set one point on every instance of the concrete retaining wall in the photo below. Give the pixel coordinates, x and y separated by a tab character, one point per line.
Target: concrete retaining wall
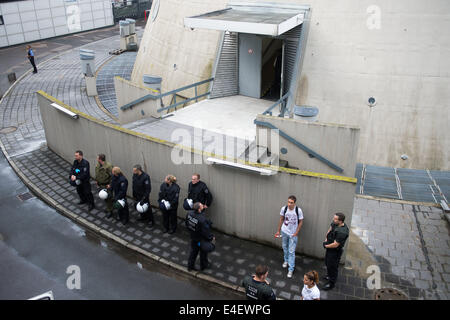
127	92
245	204
336	143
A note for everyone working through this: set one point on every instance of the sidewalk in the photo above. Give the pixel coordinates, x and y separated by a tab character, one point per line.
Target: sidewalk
46	174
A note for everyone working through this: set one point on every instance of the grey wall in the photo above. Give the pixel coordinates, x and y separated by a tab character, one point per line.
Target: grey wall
336	143
127	92
245	204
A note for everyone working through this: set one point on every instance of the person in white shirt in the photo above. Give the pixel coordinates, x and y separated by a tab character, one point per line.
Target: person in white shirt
310	290
291	221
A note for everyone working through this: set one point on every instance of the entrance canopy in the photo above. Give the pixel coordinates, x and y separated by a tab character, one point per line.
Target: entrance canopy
256	18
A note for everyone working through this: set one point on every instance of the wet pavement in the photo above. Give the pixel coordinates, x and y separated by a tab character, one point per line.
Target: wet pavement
37	245
410	244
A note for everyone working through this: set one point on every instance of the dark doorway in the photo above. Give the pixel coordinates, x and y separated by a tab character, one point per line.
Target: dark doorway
271	71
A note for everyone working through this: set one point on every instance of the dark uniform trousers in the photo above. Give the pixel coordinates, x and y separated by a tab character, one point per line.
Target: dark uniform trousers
195	249
84	191
170	219
332	258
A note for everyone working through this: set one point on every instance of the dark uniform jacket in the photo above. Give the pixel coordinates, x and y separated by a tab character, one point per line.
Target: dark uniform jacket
340	234
199	193
119	185
203	230
257	290
169	193
141	187
103	173
83	167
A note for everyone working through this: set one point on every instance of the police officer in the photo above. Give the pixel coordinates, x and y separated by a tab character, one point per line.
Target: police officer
169	193
198	192
257	287
80	175
141	192
119	186
103	176
201	236
334	244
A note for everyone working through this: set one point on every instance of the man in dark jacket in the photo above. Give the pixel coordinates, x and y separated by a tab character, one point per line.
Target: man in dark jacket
200	230
257	287
79	176
119	186
141	192
169	193
198	192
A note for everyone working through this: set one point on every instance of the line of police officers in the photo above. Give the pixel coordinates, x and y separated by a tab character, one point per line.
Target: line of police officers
112	181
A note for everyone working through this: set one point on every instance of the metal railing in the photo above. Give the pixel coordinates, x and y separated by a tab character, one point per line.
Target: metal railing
174	97
297	143
282	102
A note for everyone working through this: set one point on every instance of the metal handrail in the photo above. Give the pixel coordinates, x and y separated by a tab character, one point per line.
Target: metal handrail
280	101
299	145
161	95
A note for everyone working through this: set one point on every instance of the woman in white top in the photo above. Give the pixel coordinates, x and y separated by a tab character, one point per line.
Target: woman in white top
310	290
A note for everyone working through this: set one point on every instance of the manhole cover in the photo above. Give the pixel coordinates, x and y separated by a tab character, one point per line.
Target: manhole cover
25	196
389	294
8	129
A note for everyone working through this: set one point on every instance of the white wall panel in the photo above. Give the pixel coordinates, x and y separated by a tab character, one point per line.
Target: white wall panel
32	36
41	4
98	23
98	15
30	26
60	21
11	18
26	6
47	33
56	3
58	12
61	30
43	14
10	7
45	23
13	29
3	41
87	25
2	31
27	16
15	39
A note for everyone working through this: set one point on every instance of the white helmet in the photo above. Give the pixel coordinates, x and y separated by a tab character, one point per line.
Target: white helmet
121	202
166	204
103	194
78	182
190	202
142	208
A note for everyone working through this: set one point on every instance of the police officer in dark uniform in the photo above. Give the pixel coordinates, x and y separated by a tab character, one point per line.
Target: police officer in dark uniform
142	187
119	186
201	237
198	192
79	176
334	244
257	287
169	193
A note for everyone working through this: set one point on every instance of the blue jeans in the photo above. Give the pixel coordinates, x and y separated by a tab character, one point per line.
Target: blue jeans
289	245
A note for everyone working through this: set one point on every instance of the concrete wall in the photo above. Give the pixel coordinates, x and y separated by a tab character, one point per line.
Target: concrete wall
127	92
27	21
245	204
396	51
336	143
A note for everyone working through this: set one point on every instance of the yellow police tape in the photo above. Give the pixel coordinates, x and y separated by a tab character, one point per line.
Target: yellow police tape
195	151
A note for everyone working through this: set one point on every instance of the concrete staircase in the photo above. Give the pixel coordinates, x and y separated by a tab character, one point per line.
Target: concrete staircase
254	153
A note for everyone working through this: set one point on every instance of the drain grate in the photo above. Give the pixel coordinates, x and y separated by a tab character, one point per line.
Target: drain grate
25	196
389	294
8	129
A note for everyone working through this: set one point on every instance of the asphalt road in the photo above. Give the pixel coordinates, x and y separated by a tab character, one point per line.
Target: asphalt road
38	245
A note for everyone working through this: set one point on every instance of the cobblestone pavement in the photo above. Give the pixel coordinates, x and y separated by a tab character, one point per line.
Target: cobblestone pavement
410	244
